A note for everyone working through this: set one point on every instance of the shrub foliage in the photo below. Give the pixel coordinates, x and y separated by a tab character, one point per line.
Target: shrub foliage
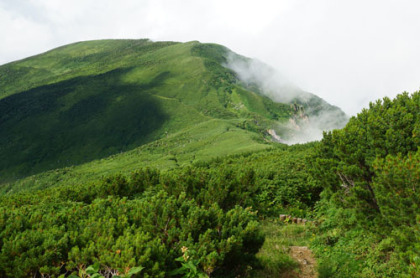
148	218
370	174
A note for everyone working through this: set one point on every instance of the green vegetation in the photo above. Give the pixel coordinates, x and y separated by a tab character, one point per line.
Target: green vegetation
199	143
370	203
132	158
274	254
146	219
117	232
88	101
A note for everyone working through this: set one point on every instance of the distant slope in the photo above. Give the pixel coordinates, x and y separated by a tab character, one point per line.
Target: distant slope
311	114
121	104
89	100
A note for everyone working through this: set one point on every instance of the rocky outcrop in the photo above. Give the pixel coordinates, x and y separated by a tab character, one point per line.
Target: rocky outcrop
275	137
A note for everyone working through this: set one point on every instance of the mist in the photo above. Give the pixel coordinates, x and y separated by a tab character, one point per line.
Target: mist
311	129
312	115
272	83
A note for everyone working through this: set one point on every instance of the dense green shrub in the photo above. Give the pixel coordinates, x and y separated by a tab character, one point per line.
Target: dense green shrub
370	204
145	219
119	233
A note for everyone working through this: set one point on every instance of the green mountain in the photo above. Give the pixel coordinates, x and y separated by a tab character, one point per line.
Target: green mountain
92	108
159	159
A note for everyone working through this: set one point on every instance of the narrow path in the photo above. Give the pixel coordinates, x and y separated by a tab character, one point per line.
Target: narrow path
285	253
307	262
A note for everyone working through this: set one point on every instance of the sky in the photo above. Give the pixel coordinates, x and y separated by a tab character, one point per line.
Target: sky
347	52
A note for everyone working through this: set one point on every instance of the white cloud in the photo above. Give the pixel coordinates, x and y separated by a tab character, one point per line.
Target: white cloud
21	36
348	52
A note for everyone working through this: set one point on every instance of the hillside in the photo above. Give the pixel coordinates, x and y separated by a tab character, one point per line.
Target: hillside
133	103
220	218
132	158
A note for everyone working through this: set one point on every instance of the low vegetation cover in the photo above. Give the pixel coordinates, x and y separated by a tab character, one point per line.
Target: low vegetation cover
86	102
90	100
102	225
274	257
148	218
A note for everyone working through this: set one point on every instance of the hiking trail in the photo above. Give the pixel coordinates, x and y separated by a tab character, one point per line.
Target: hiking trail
306	260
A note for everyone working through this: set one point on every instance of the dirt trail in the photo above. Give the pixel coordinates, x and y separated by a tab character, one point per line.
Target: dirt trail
307	262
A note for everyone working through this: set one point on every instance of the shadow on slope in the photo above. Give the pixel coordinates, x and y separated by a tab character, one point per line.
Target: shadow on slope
76	121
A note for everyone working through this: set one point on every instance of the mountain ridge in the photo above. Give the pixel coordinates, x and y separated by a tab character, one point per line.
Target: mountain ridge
63	107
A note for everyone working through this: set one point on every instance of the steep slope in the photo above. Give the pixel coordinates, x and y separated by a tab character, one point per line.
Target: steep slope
87	101
311	114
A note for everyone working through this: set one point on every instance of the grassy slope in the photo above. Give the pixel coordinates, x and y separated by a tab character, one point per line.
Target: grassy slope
64	110
203	142
78	59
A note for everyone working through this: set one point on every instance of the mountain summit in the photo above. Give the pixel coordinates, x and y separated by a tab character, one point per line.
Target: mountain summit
115	105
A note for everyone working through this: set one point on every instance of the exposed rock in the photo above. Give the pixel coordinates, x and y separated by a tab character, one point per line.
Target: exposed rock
275	137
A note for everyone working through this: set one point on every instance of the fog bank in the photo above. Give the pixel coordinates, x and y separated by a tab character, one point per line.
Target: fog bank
312	115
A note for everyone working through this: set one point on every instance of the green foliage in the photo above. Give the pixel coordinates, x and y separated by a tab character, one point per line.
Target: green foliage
53	234
271	182
189	265
145	218
93	271
370	205
80	123
347	156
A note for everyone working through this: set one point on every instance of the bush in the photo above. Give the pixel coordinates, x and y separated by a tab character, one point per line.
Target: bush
370	174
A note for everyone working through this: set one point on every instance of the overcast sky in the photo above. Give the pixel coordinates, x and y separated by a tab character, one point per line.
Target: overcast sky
347	52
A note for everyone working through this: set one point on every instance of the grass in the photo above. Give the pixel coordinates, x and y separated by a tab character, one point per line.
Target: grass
274	254
108	104
202	142
95	108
